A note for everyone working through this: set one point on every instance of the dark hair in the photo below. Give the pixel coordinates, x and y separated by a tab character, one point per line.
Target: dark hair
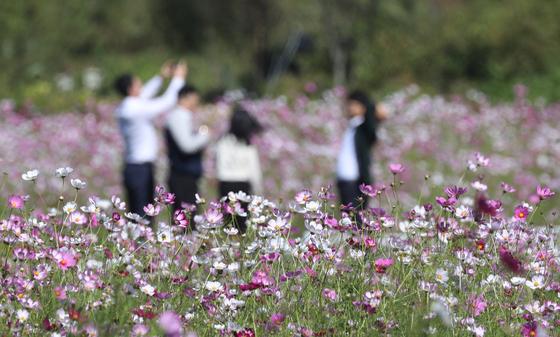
123	83
186	90
243	126
370	118
362	98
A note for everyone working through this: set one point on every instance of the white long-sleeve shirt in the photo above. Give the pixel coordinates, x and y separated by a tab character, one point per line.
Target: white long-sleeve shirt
238	162
135	115
179	123
347	164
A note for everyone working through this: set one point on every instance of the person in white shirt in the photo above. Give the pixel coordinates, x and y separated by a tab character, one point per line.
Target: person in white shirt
185	147
237	159
354	159
135	115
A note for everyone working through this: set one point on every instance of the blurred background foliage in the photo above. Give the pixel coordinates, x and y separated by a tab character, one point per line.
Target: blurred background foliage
58	53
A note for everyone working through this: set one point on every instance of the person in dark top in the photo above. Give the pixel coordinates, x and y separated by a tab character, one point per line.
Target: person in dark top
185	148
354	158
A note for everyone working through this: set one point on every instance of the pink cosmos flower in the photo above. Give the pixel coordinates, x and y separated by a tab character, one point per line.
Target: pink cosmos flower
247	332
171	324
507	188
65	259
478	305
60	293
78	218
277	319
16	202
396	168
303	197
455	191
140	330
310	87
481	160
370	243
330	294
180	218
214	216
368	190
152	210
261	278
382	264
521	212
544	192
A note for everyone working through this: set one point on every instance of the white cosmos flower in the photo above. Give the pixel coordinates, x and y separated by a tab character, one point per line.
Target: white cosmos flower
94	264
356	254
22	315
278	224
233	267
441	276
312	206
387	222
118	203
477	185
52	212
420	211
63	172
314	227
78	218
30	175
214	286
516	280
534	308
70	207
165	236
537	282
148	290
442	312
78	184
462	212
199	200
231	231
219	265
478	331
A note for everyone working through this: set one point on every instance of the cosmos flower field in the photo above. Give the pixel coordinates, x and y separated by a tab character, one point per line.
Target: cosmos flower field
460	236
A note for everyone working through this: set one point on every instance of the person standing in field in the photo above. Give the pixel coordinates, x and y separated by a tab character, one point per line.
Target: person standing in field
185	147
237	159
354	158
135	115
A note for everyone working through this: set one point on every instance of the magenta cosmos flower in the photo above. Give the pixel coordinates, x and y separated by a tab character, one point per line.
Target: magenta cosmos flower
16	202
544	192
510	261
368	190
382	264
277	319
396	168
521	212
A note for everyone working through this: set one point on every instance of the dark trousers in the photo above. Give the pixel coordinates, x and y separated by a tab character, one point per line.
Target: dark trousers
236	186
139	185
184	186
349	192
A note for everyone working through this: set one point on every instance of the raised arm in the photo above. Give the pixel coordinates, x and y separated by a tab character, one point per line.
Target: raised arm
150	108
151	87
180	126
